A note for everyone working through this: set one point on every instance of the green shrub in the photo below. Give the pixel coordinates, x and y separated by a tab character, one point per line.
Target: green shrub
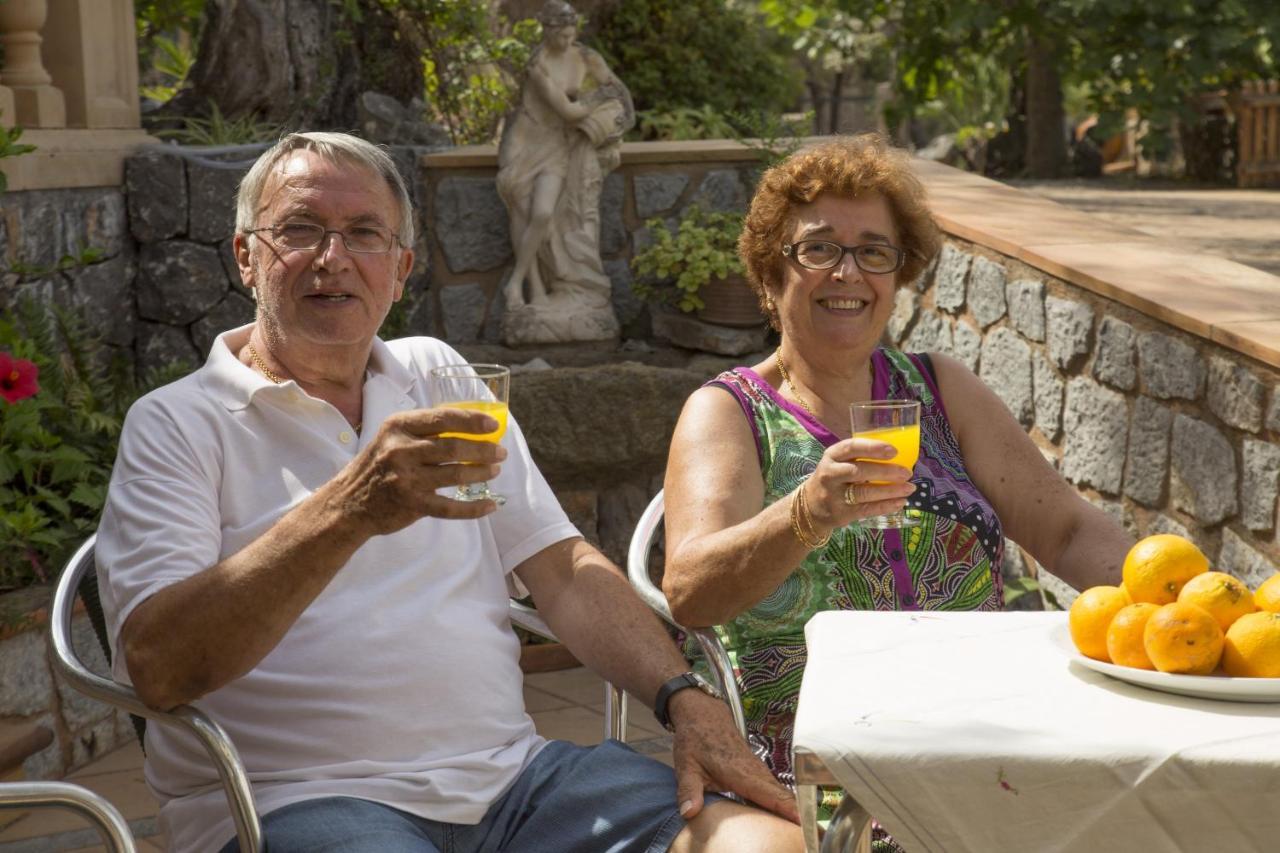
57	446
697	54
702	246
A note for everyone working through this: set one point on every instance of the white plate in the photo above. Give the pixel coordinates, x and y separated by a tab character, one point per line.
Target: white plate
1202	686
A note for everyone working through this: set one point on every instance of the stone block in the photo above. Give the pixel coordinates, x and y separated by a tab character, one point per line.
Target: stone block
102	223
953	269
1273	411
212	192
179	281
26	684
1203	471
966	344
1168	367
1026	307
1119	513
1238	557
1259	484
160	345
613	228
463	307
1234	394
1068	326
93	742
932	333
1047	388
721	190
104	294
1057	593
1114	362
1095	422
1147	459
625	302
904	311
233	311
987	291
1006	369
1164	524
657	193
925	278
685	330
635	405
471	224
620	509
39	233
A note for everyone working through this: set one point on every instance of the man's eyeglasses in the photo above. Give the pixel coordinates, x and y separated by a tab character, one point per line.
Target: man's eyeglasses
823	255
301	236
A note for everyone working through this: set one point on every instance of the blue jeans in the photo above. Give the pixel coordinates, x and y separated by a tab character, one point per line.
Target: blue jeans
570	799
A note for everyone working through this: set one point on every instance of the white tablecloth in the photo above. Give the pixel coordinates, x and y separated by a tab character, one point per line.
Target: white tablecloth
973	731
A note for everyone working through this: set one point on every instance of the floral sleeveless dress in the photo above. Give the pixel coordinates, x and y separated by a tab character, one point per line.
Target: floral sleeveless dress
950	562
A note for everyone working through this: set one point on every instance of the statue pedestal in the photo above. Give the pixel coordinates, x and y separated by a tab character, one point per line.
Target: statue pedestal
555	322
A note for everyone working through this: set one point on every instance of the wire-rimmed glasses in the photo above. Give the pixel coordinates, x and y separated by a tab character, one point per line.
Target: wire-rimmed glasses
304	236
823	255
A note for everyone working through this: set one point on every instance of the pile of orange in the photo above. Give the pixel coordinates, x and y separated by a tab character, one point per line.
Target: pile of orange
1172	614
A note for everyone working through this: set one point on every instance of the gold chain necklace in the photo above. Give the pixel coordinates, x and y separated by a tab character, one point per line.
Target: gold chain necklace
277	378
786	377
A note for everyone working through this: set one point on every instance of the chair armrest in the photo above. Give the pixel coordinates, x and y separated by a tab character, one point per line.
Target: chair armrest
215	741
93	807
527	618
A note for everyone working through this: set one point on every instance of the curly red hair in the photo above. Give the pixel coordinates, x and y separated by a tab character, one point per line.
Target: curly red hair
849	166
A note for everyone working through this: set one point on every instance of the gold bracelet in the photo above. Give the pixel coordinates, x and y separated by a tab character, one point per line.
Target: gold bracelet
799	512
795	524
807	518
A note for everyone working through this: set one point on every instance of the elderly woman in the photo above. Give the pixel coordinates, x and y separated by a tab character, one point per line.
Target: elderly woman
765	487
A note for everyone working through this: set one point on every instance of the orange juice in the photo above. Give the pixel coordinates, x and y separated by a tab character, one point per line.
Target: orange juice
492	408
905	440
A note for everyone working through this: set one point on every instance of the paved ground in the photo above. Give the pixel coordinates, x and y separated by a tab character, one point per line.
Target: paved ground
565	705
1241	225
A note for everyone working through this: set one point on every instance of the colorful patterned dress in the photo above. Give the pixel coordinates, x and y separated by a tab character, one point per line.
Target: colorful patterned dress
950	562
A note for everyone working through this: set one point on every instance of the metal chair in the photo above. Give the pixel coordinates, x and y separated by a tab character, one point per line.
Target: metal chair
79	579
850	827
104	816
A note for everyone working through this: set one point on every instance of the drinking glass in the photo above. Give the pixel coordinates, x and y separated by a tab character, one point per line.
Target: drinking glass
477	388
895	422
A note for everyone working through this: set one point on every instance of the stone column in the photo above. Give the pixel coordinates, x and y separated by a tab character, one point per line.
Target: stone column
37	103
92	54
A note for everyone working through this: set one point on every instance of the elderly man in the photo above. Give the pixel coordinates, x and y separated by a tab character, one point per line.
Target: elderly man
277	548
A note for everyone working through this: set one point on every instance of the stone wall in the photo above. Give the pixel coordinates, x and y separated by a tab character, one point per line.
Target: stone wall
1167	432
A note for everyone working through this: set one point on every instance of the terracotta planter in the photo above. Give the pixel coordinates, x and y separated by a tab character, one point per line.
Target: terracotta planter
546	657
730	302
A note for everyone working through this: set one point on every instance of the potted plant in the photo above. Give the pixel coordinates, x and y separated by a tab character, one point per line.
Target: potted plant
695	266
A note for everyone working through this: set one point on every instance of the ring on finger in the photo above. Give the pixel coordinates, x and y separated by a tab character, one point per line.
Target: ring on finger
850	495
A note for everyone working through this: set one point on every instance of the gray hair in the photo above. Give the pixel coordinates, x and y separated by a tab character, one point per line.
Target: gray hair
336	148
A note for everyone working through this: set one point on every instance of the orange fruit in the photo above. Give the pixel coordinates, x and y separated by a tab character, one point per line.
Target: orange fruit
1267	596
1125	645
1156	568
1090	616
1252	648
1226	598
1183	638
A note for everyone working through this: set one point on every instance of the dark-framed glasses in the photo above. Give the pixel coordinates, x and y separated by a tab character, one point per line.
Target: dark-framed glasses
823	255
302	236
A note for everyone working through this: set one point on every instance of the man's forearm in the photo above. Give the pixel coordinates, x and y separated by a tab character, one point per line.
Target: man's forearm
200	633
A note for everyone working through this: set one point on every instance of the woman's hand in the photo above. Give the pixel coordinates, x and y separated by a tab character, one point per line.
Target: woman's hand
848	485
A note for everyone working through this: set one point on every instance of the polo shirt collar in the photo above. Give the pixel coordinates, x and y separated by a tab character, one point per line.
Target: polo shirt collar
235	384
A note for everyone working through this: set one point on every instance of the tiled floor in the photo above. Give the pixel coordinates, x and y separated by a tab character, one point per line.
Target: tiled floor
567	705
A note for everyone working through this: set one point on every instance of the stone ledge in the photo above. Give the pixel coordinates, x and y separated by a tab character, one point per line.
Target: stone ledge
692	151
65	159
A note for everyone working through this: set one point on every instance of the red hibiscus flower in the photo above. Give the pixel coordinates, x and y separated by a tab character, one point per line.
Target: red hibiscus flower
17	378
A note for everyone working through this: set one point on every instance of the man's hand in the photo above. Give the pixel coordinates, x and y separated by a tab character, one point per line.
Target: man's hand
392	482
710	754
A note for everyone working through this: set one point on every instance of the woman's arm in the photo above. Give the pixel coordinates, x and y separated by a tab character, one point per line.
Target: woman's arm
724	553
1038	509
555	96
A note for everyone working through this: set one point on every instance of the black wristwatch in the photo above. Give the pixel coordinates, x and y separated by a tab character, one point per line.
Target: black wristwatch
674	686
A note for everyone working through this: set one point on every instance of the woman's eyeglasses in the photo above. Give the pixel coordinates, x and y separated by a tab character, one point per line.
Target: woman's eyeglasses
823	255
302	236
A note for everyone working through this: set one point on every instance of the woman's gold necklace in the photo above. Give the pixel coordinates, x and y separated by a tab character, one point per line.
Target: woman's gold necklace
786	377
276	377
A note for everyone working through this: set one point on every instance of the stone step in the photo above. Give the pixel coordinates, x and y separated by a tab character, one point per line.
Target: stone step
19	741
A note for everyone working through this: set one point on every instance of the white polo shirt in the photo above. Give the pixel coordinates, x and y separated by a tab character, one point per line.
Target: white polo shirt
400	683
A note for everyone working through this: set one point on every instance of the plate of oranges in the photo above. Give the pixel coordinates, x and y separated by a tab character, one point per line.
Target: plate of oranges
1176	625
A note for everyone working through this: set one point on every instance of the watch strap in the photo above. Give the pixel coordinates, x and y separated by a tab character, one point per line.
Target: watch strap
670	688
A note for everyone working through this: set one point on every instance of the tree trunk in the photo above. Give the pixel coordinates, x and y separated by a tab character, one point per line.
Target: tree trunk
300	63
1046	116
837	101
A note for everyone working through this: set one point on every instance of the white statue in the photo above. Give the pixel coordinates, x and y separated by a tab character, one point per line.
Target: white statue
557	147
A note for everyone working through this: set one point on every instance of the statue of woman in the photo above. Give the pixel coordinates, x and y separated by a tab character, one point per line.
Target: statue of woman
559	143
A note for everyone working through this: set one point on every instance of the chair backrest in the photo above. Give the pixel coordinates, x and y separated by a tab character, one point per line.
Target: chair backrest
70	668
93	807
638	572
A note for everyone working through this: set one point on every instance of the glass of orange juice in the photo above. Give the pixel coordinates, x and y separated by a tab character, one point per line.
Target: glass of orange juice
477	388
895	422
